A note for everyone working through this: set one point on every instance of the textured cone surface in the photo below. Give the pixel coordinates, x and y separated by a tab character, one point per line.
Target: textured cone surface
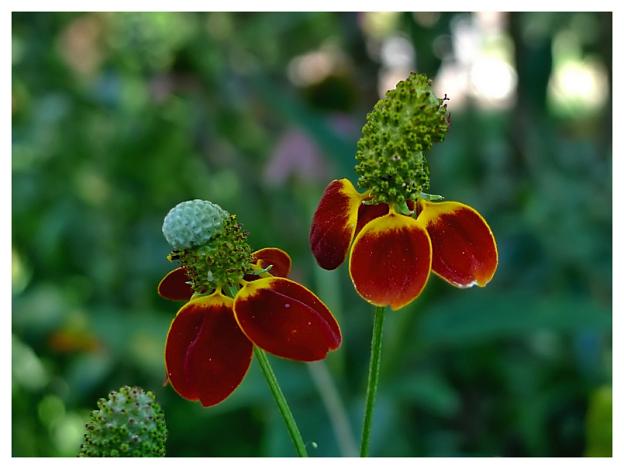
192	223
129	423
209	243
401	128
224	260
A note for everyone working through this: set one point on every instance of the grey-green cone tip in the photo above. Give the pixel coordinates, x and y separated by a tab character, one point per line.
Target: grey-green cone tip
192	223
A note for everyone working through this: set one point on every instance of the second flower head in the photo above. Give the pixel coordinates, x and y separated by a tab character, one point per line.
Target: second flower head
234	299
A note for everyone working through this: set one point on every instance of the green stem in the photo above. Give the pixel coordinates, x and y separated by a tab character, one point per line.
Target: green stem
289	419
335	408
278	395
373	378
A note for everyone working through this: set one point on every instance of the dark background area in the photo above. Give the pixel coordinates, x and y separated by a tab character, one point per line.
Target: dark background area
118	117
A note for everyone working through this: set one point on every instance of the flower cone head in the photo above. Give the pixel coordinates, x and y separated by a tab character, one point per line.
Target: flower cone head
401	128
394	233
129	423
192	223
210	244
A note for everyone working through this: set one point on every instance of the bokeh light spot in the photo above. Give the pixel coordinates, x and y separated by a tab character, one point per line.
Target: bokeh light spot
28	371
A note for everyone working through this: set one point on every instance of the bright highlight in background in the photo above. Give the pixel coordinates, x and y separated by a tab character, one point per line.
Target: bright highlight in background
578	86
482	65
581	85
493	80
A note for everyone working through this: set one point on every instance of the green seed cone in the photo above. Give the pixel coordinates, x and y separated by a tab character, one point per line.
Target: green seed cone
221	262
401	128
129	423
209	243
193	223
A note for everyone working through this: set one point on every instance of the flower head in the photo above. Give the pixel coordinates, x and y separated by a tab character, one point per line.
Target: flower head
128	423
235	299
391	159
394	232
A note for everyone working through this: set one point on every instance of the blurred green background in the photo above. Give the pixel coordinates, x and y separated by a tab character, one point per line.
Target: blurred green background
118	117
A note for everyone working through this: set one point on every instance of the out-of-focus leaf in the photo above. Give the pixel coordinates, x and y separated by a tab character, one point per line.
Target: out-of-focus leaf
41	311
427	391
599	423
483	315
28	371
87	372
292	110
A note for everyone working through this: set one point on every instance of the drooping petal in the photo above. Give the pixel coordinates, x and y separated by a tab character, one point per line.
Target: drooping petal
367	213
206	353
174	286
334	223
390	261
286	319
464	248
280	260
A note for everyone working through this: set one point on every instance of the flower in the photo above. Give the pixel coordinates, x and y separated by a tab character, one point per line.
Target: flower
394	232
392	253
210	341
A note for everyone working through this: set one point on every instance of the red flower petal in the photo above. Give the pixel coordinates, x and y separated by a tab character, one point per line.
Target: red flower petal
279	259
174	285
390	261
206	354
464	248
286	319
334	223
367	213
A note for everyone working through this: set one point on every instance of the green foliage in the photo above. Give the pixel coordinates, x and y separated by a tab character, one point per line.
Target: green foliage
119	116
129	423
600	423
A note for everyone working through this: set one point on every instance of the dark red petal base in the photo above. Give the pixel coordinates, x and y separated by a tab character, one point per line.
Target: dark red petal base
279	259
174	285
368	213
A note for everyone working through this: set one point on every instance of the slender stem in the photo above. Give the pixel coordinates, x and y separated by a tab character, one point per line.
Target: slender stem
289	419
278	395
335	408
373	378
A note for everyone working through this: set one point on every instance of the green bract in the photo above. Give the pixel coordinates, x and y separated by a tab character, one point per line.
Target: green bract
192	223
222	261
391	161
129	423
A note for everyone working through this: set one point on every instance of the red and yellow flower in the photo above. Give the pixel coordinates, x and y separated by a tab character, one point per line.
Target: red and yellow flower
235	300
392	251
210	341
394	232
